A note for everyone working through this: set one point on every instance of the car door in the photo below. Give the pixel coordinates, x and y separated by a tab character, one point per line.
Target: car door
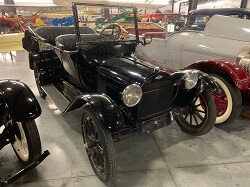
166	52
154	51
173	49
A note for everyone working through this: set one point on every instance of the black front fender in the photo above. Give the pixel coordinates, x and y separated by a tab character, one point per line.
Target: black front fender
20	100
208	83
183	96
104	108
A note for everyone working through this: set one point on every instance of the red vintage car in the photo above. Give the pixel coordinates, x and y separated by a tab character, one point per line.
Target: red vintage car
11	24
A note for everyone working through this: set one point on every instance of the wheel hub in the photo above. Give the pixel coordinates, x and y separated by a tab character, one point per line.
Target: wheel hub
221	103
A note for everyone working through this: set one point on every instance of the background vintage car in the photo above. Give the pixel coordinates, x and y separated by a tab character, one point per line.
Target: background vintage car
223	51
198	18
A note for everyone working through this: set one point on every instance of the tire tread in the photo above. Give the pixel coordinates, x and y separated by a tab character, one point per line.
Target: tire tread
237	101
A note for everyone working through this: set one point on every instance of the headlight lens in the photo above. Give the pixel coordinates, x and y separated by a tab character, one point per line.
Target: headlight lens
131	95
147	39
191	79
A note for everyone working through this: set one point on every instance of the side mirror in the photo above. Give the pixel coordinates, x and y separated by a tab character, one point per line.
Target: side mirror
146	39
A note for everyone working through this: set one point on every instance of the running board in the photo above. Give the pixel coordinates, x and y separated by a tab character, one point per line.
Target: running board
56	96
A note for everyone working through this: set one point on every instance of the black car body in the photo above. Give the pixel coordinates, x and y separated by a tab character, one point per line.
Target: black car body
118	93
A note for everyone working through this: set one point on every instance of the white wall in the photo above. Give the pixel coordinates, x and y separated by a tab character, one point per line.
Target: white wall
216	4
221	4
176	7
248	4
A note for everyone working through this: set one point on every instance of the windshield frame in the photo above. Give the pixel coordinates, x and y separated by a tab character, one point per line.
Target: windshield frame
76	18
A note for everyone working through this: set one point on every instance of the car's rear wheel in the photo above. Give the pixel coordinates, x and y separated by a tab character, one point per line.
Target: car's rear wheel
99	146
38	83
27	143
228	103
200	115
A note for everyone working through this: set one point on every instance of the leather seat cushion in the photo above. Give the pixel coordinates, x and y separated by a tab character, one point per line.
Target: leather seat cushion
68	41
51	32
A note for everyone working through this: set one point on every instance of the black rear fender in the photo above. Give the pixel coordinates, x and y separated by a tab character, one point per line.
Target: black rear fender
20	100
103	107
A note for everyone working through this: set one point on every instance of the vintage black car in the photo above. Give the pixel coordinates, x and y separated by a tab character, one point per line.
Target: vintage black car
118	94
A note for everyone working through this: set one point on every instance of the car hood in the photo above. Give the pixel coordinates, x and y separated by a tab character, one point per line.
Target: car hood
228	27
123	70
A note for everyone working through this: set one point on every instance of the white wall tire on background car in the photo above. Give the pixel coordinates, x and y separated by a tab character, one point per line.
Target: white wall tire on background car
231	99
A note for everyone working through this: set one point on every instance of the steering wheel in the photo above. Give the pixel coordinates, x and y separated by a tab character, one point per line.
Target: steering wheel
116	31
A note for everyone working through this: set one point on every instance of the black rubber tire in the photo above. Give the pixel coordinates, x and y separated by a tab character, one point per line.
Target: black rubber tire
209	117
108	148
236	100
38	84
33	141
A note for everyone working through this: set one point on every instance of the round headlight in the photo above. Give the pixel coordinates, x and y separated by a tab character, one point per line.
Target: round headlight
245	62
191	79
147	39
131	95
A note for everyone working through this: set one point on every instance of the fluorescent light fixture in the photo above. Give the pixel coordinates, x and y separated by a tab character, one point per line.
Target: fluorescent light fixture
138	3
31	2
153	2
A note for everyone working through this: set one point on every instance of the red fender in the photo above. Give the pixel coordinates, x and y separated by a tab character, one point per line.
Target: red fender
238	75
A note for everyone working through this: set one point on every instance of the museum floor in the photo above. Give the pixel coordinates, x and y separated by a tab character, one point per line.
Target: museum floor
168	158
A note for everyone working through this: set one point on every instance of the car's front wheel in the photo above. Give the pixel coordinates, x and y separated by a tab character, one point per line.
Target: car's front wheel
199	116
99	146
27	143
228	103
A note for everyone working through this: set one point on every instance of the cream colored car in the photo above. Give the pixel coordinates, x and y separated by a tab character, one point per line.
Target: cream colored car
221	50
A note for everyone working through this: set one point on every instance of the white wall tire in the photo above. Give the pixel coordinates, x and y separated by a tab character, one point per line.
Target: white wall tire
27	143
233	99
20	144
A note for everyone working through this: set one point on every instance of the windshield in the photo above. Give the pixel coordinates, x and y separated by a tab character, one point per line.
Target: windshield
204	18
111	22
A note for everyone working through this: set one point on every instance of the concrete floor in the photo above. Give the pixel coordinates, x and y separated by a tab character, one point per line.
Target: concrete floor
168	158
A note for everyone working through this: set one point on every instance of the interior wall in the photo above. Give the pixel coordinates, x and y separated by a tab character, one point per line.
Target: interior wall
221	4
208	5
248	4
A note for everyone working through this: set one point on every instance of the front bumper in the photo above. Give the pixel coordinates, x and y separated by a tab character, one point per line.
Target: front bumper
151	125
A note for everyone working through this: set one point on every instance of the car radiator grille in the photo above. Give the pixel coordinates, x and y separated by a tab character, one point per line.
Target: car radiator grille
156	100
